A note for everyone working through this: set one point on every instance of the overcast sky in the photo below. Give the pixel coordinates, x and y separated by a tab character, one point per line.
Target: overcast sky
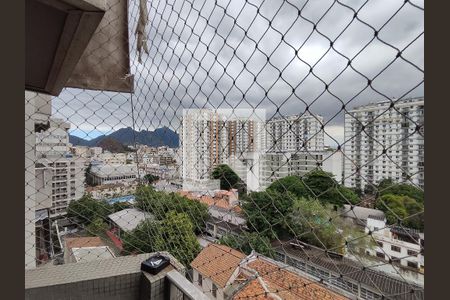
258	54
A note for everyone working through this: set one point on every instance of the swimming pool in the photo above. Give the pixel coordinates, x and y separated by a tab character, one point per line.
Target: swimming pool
127	198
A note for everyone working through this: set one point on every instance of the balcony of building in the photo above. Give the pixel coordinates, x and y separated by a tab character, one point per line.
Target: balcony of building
119	278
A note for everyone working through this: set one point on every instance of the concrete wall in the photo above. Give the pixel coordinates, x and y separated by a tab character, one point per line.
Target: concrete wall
109	279
206	287
30	190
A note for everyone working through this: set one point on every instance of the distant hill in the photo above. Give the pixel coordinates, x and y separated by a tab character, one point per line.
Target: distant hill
160	137
112	145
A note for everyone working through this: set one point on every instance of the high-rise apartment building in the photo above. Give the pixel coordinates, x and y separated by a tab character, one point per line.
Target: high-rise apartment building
295	146
37	115
295	133
245	136
385	140
276	165
67	171
333	162
213	137
202	140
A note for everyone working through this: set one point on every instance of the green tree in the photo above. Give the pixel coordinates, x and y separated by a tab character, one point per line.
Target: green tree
388	186
178	237
292	184
160	203
317	184
247	242
87	209
143	238
321	226
322	185
402	208
266	212
97	227
370	189
174	234
118	206
228	179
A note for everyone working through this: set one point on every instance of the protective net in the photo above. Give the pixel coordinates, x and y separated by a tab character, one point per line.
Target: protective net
274	148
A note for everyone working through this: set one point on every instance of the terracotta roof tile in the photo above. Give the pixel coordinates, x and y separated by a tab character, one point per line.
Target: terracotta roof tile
285	284
252	290
217	262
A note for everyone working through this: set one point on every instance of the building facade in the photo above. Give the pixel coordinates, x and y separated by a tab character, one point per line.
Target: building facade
37	118
53	154
276	165
213	137
396	244
295	133
385	140
203	144
333	162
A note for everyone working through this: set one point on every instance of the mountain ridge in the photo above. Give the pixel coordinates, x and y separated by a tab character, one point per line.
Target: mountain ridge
159	137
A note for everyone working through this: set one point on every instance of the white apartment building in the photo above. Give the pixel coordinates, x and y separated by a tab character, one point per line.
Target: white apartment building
109	158
55	140
37	117
81	151
67	181
52	153
397	244
385	141
203	142
333	162
213	137
245	135
276	165
295	133
96	151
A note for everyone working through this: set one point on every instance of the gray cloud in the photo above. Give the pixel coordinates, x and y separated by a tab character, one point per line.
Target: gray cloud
258	54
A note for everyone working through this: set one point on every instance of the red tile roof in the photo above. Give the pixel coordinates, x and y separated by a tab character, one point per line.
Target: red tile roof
285	284
217	262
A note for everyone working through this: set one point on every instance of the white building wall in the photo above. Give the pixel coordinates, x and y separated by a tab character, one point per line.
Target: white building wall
295	133
55	140
68	171
277	165
206	286
30	157
390	130
386	240
333	162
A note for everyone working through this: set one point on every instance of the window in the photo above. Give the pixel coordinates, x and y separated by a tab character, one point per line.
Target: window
412	253
200	279
380	244
395	259
380	255
412	264
214	290
396	248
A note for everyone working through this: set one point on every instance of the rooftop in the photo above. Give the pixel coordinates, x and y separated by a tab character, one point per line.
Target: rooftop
352	270
360	214
129	218
112	279
273	279
92	253
217	262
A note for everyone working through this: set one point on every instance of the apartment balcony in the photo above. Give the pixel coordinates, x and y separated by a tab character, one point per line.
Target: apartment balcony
117	278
